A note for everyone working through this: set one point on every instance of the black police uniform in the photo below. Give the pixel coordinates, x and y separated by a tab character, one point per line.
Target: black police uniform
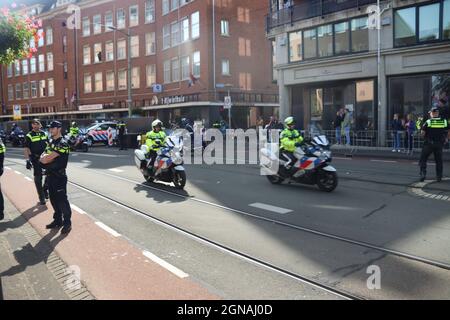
37	143
57	182
122	128
2	158
436	132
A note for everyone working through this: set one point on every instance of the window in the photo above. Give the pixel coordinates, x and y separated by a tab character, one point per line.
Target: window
41	39
175	70
86	55
33	65
166	36
341	38
122	79
360	34
87	83
429	22
165	7
175	29
64	41
185	30
121	19
51	88
149	11
185	68
10	92
446	20
42	89
25	67
150	74
108	21
121	49
310	45
10	70
295	46
405	27
18	91
17	67
110	86
33	89
150	44
49	61
134	16
97	22
97	52
109	49
195	25
226	67
325	40
49	35
86	27
26	90
174	4
98	81
274	61
135	77
167	71
224	28
32	43
196	64
65	70
134	46
41	63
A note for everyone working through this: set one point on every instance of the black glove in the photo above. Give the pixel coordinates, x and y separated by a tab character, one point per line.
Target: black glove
1	171
29	165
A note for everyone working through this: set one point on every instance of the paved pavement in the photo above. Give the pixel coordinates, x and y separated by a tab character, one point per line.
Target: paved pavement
330	238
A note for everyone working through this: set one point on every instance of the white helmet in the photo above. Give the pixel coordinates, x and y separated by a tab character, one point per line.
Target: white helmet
157	123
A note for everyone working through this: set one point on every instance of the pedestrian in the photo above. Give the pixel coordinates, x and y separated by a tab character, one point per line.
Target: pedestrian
274	125
122	129
410	127
35	144
345	126
2	159
436	133
396	127
337	125
55	160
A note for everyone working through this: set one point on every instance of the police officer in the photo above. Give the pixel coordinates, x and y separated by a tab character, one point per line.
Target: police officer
155	140
35	144
2	158
436	133
55	162
121	127
290	138
74	131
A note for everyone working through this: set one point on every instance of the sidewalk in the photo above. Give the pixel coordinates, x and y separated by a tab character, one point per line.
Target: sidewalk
380	152
29	269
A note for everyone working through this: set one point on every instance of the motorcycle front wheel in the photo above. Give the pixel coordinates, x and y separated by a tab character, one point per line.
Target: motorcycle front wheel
179	179
327	181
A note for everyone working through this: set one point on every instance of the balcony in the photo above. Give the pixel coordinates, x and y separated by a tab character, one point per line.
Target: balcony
302	10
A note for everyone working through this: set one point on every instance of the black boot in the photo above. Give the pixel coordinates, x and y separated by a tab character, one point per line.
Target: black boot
439	178
2	215
423	175
54	225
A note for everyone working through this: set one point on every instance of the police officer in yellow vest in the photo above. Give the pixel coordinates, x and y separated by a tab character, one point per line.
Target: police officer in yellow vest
290	139
35	143
436	133
2	158
74	131
155	140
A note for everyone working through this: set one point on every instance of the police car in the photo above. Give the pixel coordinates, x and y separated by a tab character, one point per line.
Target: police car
98	132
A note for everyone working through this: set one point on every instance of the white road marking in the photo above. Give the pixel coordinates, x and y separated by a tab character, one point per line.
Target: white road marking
78	209
98	155
28	178
339	158
385	161
268	207
86	161
115	170
113	232
165	264
18	172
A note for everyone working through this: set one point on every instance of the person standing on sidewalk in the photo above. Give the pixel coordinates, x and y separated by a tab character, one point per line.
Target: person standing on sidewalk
55	161
122	128
436	132
2	159
410	127
35	143
396	127
337	125
345	126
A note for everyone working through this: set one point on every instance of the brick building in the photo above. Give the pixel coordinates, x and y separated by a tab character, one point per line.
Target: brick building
82	72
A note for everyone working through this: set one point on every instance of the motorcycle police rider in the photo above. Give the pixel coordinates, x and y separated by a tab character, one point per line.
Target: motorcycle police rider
436	132
290	139
155	140
74	131
35	144
55	161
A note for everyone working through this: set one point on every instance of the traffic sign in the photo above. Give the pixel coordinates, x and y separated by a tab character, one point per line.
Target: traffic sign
227	102
157	88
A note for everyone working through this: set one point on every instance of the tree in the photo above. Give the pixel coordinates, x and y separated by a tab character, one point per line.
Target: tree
16	32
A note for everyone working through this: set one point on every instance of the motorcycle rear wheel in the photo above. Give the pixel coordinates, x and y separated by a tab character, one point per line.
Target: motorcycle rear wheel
327	181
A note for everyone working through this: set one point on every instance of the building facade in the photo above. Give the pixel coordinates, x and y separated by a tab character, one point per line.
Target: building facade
186	56
329	55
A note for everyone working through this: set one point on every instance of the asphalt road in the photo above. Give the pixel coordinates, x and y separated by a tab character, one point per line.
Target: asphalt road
329	238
